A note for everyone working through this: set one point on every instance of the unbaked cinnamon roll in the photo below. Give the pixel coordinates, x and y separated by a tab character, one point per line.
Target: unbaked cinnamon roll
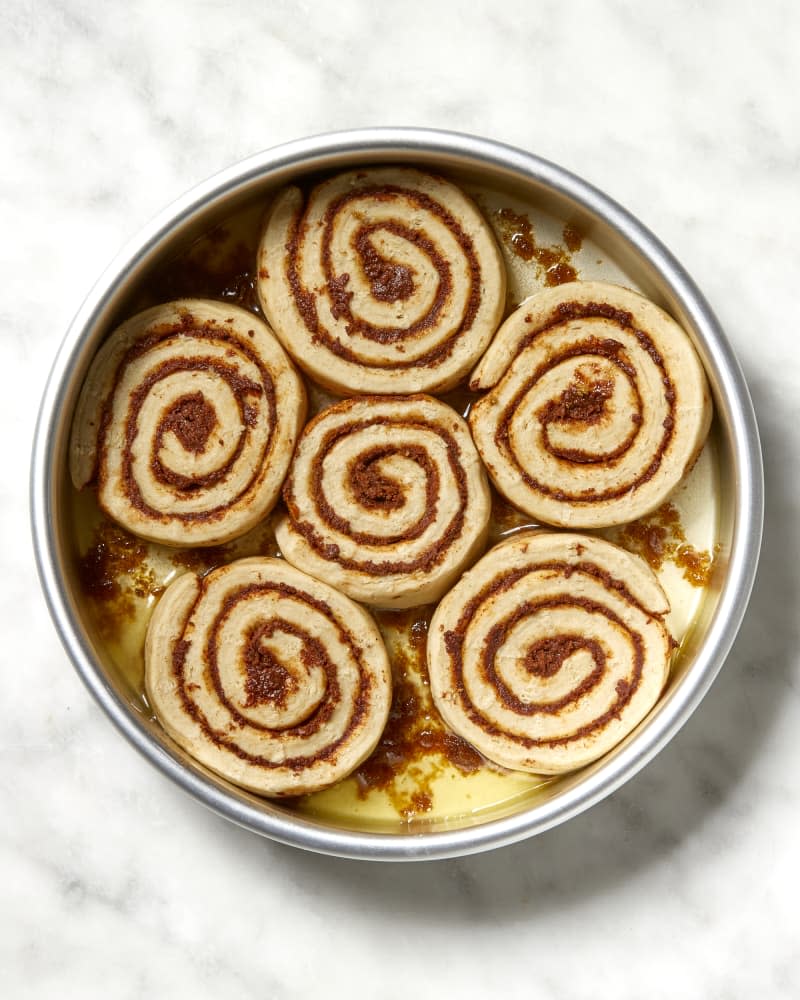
187	422
598	406
385	280
386	499
268	677
549	651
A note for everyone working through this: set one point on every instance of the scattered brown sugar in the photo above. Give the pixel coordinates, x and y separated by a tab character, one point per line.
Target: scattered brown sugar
573	237
112	573
659	537
554	262
414	733
560	273
113	556
696	565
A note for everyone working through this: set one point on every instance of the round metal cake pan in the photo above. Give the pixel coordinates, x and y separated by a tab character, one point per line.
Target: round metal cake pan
656	271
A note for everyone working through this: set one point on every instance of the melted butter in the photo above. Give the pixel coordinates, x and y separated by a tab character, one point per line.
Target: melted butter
455	795
695	505
122	577
420	772
428	786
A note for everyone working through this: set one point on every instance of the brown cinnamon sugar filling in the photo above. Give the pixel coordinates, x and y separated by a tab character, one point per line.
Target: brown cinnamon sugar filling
374	490
389	283
316	655
268	680
589	409
191	418
371	488
547	656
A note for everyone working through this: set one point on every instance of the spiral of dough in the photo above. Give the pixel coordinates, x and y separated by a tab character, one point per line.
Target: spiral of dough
549	651
267	676
386	499
386	280
598	406
187	422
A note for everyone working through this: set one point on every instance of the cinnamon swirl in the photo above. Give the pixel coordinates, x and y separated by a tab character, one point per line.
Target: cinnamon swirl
549	651
386	499
187	421
268	677
598	406
386	280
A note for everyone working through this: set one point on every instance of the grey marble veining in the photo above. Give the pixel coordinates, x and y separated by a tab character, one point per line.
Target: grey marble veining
684	883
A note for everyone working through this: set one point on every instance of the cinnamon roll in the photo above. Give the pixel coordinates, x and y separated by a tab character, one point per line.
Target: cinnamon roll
268	677
187	421
386	280
598	406
386	499
549	651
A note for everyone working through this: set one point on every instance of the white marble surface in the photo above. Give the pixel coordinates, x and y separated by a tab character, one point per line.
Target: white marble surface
685	883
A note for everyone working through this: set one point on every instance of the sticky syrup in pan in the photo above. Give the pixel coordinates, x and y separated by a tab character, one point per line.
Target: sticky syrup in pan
420	772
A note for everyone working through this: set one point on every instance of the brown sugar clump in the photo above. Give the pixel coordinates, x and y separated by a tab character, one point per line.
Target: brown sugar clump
659	537
553	262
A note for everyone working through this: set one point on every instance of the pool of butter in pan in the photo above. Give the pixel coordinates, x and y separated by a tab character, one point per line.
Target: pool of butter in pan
419	774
